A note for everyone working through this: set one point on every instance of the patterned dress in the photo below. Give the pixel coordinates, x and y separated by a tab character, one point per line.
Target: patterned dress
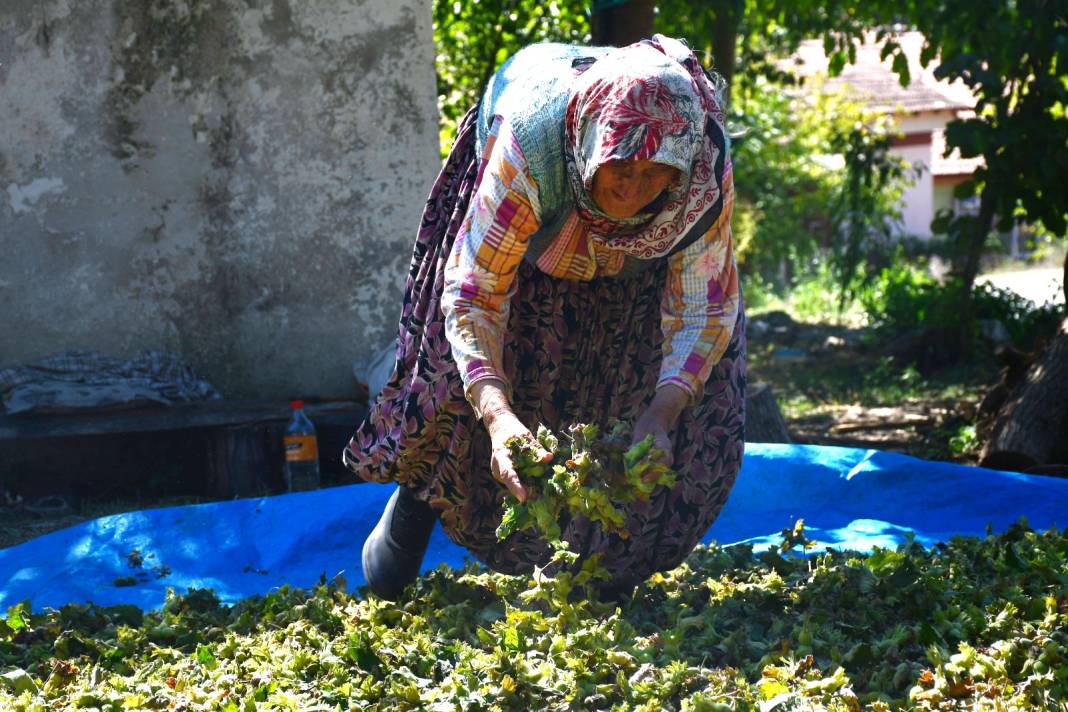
573	341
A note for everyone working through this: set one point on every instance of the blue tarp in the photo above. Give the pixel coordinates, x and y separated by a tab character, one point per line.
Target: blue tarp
849	499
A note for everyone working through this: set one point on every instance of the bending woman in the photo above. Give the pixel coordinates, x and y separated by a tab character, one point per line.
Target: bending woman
574	263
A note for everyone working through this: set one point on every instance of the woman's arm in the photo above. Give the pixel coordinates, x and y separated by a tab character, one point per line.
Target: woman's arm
698	312
479	283
480	274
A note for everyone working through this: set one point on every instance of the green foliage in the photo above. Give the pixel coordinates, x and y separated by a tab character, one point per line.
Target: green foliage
591	472
782	190
971	623
866	202
889	382
904	302
1012	56
474	37
808	171
818	296
903	297
965	441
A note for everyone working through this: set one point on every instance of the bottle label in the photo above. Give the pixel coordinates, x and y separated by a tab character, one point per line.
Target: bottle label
301	448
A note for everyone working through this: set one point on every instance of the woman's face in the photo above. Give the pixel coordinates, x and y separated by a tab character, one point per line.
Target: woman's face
622	188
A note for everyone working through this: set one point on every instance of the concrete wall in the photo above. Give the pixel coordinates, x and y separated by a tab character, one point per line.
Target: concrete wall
238	181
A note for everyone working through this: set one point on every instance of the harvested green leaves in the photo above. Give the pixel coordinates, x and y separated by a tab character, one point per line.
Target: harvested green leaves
586	477
590	472
971	624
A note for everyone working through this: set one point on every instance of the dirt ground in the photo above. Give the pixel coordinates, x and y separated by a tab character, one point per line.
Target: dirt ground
837	386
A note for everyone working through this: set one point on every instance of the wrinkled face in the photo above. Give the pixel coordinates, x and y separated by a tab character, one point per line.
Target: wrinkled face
622	188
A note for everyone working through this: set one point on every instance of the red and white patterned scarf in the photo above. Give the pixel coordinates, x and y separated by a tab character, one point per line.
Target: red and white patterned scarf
650	100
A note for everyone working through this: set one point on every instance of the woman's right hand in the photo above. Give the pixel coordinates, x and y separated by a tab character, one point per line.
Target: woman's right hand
503	425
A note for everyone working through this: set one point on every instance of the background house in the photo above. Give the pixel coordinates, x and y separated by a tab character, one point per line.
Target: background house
235	181
922	109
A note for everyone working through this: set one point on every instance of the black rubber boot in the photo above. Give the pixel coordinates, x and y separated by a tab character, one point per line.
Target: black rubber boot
618	593
393	553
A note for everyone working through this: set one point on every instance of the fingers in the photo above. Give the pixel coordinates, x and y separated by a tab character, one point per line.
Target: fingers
511	481
665	453
543	454
663	447
505	473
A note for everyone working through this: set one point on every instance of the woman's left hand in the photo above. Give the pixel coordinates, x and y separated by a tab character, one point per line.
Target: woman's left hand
659	418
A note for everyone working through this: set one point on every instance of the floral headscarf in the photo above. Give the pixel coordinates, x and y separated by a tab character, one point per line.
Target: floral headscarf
650	100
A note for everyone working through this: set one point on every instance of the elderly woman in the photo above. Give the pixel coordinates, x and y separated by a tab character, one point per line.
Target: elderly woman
574	264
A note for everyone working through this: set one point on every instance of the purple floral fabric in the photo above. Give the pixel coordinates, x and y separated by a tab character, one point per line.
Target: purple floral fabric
573	352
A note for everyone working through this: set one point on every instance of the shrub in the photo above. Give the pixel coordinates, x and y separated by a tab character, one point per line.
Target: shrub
900	298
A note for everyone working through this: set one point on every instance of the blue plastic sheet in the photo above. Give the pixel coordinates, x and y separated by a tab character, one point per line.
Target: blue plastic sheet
849	499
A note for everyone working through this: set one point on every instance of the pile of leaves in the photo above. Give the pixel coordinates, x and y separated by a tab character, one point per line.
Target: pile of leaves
586	477
971	623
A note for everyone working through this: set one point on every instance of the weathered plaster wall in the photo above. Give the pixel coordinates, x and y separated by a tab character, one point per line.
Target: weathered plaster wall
238	181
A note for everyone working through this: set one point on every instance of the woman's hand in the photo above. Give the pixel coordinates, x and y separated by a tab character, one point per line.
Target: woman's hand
503	425
659	418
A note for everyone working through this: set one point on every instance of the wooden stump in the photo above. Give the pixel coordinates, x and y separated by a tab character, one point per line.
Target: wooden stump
245	460
763	420
1032	426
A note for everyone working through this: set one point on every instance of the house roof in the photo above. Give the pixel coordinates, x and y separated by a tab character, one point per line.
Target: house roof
882	91
872	78
953	165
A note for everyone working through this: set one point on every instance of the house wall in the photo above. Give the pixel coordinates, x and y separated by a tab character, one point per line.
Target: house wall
237	181
943	191
917	200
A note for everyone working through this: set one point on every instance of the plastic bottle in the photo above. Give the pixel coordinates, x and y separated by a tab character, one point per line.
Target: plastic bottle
302	451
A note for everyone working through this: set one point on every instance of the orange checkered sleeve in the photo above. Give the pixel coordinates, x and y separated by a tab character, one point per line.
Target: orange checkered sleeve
701	302
480	274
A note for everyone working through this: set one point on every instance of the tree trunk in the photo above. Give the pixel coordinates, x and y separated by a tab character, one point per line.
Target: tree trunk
621	23
972	243
728	14
1032	427
763	420
976	240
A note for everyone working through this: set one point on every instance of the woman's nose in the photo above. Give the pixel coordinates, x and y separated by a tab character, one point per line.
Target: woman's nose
628	187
